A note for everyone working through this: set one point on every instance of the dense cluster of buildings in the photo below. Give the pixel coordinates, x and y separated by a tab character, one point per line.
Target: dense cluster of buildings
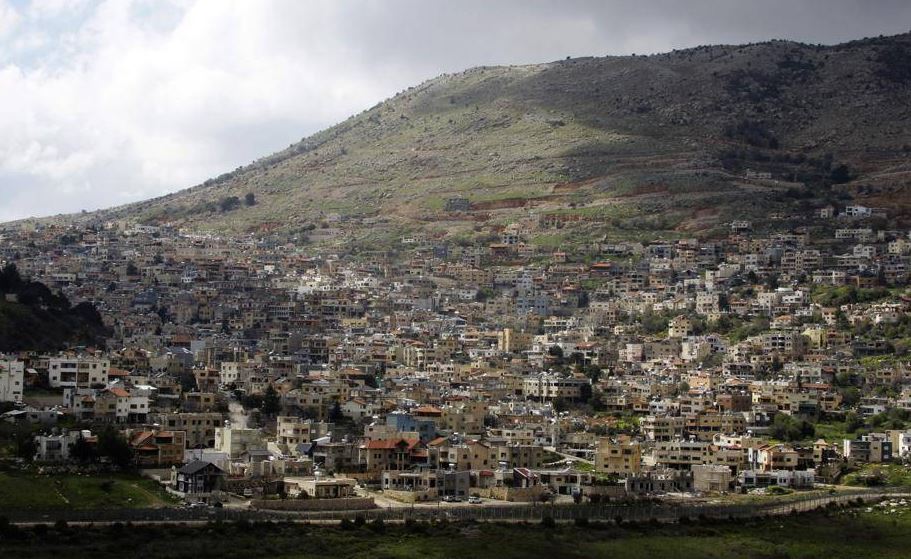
611	369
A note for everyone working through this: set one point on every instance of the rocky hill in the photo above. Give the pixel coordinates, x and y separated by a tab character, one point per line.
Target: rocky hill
32	317
676	143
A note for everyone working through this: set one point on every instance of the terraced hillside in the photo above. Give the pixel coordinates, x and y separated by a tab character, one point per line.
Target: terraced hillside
617	145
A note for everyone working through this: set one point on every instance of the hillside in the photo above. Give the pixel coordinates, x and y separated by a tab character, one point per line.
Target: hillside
626	145
34	318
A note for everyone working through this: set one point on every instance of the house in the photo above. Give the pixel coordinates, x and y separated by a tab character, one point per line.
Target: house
453	483
199	427
797	479
679	327
393	454
235	441
858	211
77	372
659	481
117	404
292	431
618	456
714	478
320	487
872	448
12	374
567	481
772	457
56	447
158	448
198	477
410	486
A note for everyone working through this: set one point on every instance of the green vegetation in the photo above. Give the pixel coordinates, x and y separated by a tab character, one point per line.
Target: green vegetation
584	137
19	490
837	535
875	475
854	426
832	431
787	428
847	294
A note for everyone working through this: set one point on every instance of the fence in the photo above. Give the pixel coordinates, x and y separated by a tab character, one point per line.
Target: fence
633	512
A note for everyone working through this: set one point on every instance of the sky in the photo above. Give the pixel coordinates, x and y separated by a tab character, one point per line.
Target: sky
104	102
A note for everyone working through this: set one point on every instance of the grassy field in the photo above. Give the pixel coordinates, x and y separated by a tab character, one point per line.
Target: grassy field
833	431
836	535
32	491
880	474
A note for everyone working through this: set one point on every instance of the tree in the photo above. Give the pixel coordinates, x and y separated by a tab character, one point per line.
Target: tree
82	451
556	352
560	405
853	422
271	402
593	372
112	445
229	203
683	387
187	381
841	174
25	443
335	413
585	392
850	396
10	280
653	323
772	281
250	199
786	428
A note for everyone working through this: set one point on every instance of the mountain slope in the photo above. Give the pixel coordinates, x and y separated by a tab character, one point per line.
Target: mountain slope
627	143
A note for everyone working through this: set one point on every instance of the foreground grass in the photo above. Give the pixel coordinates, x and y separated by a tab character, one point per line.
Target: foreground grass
833	535
19	490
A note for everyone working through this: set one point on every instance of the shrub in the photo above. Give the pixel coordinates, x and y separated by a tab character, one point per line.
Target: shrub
413	525
378	526
40	530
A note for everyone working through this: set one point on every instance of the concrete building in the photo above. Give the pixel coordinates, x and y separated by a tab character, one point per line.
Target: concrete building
618	456
77	372
12	375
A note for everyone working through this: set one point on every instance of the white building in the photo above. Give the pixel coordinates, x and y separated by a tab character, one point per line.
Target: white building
550	387
77	372
12	375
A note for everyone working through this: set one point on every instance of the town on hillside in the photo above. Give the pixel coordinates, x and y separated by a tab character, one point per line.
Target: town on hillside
253	372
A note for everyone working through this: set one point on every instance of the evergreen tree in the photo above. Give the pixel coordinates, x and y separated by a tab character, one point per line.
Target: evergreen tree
271	402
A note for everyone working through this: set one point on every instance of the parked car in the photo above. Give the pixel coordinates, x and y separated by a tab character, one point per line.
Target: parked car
475	500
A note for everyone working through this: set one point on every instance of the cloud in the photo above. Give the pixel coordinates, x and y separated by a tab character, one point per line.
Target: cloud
9	19
104	102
